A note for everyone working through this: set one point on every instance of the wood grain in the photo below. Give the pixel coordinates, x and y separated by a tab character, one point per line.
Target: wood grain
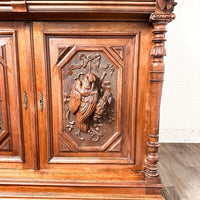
160	19
83	80
23	120
77	10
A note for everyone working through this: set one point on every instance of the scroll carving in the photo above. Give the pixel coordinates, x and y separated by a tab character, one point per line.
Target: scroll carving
89	101
160	19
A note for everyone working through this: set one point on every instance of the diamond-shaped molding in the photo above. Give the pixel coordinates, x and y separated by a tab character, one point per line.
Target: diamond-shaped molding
6	144
113	143
5	137
63	51
119	50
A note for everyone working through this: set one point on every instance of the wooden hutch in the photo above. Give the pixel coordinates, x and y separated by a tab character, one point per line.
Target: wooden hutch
80	91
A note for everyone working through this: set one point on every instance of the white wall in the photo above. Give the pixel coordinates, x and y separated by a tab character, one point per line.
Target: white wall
180	108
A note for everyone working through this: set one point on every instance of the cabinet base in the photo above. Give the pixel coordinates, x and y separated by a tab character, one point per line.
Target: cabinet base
112	185
24	192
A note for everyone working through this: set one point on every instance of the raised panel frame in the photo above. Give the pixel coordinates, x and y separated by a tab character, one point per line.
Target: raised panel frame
12	135
119	86
120	159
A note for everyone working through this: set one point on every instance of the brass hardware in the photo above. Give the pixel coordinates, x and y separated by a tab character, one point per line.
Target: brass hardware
41	101
25	100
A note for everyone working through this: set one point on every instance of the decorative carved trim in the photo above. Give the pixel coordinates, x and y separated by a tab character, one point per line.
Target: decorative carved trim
166	5
119	51
62	52
76	6
5	135
160	19
64	147
6	143
89	98
116	147
73	67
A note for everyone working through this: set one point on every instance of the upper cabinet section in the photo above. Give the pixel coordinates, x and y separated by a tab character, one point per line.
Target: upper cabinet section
77	10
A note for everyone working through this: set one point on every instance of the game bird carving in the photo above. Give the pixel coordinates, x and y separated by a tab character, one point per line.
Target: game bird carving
86	100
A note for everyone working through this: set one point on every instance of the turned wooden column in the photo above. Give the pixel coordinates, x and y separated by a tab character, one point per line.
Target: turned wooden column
160	18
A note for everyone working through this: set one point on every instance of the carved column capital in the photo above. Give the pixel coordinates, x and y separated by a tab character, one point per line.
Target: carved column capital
162	17
163	11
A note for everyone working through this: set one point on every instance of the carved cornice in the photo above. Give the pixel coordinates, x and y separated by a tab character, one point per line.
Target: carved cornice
77	10
78	6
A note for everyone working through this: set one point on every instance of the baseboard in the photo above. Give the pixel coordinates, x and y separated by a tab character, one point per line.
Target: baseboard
75	196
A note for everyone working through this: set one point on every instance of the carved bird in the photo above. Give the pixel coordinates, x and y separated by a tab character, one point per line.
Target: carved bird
102	104
83	100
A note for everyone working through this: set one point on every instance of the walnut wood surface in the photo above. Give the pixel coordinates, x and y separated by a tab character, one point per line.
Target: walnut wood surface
77	10
160	19
59	38
79	100
19	144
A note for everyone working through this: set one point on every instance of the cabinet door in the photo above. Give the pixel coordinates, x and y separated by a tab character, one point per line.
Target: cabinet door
15	97
87	75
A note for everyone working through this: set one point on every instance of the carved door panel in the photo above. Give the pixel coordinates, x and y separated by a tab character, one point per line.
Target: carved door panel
90	81
14	102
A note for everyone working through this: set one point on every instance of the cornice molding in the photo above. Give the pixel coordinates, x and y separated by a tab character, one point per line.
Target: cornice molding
78	6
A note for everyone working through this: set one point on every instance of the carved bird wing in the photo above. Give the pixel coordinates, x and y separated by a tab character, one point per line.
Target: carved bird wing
75	99
88	105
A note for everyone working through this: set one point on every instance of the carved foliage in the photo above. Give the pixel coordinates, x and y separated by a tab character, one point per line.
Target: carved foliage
167	5
89	91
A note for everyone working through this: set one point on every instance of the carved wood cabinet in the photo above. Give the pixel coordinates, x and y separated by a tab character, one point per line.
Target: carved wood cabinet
80	91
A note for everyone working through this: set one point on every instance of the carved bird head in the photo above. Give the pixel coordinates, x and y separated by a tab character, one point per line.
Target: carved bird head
89	80
91	77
